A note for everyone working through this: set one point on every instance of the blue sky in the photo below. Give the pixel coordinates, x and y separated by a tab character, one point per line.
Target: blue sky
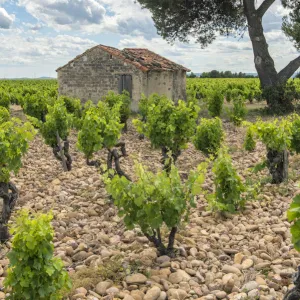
38	36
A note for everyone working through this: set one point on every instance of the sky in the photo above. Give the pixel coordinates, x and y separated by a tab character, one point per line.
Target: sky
38	36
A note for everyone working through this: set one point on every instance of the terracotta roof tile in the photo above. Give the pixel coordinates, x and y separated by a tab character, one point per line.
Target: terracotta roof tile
151	60
143	59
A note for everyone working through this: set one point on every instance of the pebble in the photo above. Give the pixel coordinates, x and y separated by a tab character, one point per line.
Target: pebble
101	287
136	279
153	293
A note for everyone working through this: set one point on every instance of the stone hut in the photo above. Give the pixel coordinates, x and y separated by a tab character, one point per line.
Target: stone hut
139	71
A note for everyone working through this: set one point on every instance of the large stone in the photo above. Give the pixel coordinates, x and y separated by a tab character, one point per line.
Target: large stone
153	293
221	295
254	294
128	297
230	269
163	259
112	291
249	286
150	253
177	294
81	290
162	296
102	286
247	264
82	255
229	281
137	294
238	258
262	265
179	276
136	279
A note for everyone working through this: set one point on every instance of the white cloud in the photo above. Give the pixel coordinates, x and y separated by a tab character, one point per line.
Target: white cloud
6	20
34	27
38	50
92	16
65	14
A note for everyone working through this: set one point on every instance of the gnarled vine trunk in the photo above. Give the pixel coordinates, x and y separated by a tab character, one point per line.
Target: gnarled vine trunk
114	157
278	165
294	293
167	160
61	153
271	81
156	239
9	196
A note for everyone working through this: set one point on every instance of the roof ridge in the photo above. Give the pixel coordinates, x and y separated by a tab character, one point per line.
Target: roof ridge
135	49
153	61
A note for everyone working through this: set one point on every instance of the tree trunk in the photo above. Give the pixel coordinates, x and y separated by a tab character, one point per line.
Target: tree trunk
272	82
264	63
9	195
278	164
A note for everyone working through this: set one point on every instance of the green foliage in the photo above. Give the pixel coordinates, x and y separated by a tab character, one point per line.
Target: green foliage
4	99
113	99
293	215
100	129
14	139
280	97
33	271
295	130
276	134
75	109
228	185
155	199
202	20
215	104
259	167
72	105
35	106
250	143
4	115
238	113
57	121
145	103
291	23
168	124
209	136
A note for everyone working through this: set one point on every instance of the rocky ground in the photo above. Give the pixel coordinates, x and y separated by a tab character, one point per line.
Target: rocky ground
244	256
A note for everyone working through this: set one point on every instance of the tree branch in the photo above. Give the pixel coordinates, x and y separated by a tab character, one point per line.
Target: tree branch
264	7
289	70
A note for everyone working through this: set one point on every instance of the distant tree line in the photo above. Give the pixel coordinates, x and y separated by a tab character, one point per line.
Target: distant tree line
217	74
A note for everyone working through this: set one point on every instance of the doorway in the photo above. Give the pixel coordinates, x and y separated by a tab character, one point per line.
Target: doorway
125	83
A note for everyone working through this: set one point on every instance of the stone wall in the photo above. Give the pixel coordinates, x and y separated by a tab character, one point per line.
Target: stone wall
171	84
93	75
179	85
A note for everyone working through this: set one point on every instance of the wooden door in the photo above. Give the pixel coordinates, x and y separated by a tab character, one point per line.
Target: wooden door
125	83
